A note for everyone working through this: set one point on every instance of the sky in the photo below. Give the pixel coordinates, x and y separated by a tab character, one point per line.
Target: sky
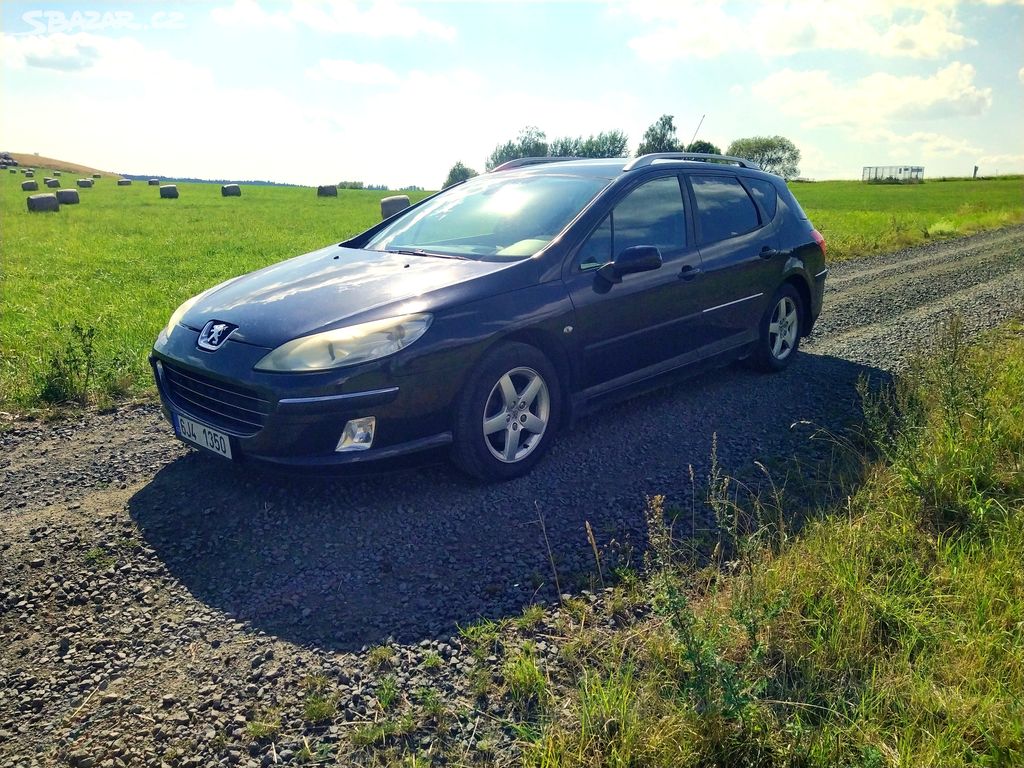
395	92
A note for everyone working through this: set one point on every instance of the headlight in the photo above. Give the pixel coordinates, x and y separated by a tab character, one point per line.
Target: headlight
179	313
346	346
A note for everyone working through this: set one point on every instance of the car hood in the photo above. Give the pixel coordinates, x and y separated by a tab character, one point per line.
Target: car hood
325	288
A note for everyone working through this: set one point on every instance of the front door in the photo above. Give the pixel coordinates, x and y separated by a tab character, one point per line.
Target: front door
632	327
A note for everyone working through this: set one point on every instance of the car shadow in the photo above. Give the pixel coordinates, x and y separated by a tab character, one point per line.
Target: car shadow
415	553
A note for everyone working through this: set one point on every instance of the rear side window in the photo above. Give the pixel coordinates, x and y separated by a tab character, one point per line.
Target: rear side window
764	192
652	214
724	209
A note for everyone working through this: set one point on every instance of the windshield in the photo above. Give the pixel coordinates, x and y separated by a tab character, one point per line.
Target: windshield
491	218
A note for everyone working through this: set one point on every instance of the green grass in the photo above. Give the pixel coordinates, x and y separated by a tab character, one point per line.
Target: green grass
525	683
84	292
319	707
387	692
381	656
860	219
889	631
123	259
264	725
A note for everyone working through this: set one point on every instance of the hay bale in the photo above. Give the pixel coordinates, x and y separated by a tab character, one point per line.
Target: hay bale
30	186
56	173
97	176
14	170
327	190
43	203
29	174
169	191
85	183
124	182
67	196
230	190
51	183
389	206
154	182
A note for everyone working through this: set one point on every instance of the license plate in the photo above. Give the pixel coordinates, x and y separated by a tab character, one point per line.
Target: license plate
204	436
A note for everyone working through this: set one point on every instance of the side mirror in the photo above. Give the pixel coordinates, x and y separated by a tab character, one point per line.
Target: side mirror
639	258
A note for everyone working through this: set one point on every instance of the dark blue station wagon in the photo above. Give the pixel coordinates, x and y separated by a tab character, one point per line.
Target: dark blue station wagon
486	316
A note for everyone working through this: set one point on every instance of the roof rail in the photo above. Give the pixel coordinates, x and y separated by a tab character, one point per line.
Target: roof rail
519	162
645	160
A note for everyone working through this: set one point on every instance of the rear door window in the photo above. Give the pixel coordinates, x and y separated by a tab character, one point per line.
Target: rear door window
724	209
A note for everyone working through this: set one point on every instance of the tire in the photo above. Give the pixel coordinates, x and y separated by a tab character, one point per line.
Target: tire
499	435
779	338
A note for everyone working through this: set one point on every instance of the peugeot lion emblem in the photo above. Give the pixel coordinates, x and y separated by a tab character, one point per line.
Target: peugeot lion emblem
214	334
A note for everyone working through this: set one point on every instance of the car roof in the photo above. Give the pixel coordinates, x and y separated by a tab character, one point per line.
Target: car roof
611	168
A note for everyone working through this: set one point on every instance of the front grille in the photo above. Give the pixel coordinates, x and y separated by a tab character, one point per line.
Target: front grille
228	406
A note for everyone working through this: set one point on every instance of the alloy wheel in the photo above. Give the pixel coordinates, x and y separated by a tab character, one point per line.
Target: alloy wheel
783	328
516	415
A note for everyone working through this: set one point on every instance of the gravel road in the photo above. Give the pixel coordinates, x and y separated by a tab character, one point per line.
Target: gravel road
155	603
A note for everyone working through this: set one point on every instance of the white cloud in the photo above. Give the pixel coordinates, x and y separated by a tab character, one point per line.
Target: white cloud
63	52
379	19
100	58
817	99
1020	74
249	13
1001	162
919	143
353	72
707	29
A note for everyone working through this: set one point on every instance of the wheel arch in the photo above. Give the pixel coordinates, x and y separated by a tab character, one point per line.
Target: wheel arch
555	353
799	283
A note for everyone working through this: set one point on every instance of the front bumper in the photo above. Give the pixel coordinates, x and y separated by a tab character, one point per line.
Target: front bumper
297	420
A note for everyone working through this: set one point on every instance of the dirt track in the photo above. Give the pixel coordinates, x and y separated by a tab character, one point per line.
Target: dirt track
154	601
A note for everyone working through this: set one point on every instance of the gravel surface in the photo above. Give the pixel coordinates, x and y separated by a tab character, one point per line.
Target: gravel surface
158	606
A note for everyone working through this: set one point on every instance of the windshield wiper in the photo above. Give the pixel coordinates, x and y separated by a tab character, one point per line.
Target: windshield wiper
420	252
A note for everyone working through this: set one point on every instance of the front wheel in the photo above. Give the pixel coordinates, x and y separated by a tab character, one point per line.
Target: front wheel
779	337
508	415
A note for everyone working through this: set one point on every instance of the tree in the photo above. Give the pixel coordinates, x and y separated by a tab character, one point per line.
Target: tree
660	137
604	144
459	172
775	154
566	146
531	142
705	147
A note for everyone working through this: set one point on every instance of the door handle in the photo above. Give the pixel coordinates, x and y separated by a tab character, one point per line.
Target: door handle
689	272
768	253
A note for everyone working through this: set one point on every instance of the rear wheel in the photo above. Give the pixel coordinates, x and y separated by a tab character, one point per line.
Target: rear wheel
779	337
508	415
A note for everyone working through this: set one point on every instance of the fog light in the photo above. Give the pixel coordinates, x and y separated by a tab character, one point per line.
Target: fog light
357	435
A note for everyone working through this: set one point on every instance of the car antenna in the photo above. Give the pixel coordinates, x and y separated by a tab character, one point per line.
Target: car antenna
697	129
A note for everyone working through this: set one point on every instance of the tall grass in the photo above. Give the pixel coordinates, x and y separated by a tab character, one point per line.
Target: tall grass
889	631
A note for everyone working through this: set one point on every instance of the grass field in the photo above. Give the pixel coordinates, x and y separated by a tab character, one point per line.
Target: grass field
97	281
861	219
123	259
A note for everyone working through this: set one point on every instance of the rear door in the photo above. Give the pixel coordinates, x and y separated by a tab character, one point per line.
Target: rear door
738	245
649	317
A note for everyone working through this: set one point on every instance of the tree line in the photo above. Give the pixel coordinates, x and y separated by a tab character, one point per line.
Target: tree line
775	154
